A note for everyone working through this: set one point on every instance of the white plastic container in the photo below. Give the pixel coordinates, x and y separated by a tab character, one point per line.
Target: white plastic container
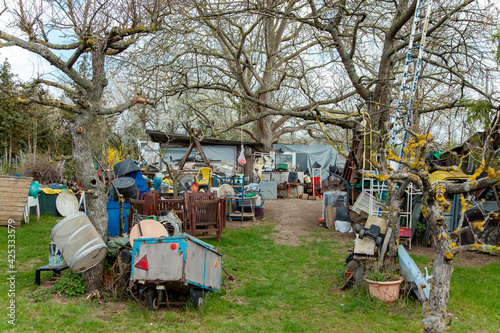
343	226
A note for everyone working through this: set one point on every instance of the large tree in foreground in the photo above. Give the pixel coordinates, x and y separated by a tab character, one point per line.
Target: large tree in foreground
63	33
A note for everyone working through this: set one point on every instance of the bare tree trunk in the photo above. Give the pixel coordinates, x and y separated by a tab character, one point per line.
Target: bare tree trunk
35	137
395	201
96	195
435	317
10	150
264	132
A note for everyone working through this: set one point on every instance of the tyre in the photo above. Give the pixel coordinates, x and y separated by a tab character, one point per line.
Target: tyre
152	299
493	237
196	299
486	233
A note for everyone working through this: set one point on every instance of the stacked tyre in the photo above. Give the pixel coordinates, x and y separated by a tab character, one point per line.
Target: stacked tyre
491	236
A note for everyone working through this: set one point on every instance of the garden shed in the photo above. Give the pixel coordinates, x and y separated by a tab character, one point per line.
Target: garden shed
175	146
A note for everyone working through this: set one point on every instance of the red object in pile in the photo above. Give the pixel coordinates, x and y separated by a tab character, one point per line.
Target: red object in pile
404	232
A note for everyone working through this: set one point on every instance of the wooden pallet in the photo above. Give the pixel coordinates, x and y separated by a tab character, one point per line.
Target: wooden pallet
13	197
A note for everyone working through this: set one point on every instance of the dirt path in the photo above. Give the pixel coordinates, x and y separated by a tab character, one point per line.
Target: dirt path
296	222
294	218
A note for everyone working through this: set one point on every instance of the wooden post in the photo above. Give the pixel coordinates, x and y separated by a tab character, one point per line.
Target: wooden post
183	161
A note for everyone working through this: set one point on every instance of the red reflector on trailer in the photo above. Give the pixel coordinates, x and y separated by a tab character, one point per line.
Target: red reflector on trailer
143	263
173	246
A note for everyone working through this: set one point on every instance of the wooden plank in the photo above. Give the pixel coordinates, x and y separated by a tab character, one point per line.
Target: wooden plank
14	181
13	202
10	215
5	223
331	214
13	198
14	210
15	186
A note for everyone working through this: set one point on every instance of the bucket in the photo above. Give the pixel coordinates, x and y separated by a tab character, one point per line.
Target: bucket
343	226
125	186
55	256
81	246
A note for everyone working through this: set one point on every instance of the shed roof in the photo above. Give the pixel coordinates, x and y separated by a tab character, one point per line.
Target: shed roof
185	140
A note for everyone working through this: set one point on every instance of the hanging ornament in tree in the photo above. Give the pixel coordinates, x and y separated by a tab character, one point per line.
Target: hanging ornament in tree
241	159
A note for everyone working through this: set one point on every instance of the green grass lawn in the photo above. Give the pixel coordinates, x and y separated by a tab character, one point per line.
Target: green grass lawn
279	288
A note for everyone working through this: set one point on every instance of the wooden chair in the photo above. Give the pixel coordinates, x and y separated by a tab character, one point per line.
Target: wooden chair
151	203
189	198
177	205
136	208
206	219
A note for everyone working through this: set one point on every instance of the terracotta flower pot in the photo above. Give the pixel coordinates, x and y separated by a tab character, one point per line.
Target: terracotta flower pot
384	291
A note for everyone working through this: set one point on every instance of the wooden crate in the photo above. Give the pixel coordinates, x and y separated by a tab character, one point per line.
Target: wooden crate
13	197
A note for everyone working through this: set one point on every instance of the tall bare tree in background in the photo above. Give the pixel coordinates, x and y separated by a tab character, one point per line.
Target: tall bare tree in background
63	32
327	60
266	68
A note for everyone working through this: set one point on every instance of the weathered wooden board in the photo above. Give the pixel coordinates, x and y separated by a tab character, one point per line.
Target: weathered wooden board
331	214
13	197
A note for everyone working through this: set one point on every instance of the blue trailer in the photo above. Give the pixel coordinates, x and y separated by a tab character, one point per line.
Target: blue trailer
170	267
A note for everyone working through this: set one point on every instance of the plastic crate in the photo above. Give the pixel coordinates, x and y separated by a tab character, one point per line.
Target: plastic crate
404	232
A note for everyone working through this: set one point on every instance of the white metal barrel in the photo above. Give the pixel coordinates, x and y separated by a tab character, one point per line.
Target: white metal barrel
79	242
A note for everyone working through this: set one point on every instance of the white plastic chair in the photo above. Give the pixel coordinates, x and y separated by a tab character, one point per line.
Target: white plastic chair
33	202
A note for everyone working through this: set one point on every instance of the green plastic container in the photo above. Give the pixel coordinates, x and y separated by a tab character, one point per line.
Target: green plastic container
47	203
282	166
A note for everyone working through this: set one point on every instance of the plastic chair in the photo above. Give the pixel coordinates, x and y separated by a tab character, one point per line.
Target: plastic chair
206	177
34	202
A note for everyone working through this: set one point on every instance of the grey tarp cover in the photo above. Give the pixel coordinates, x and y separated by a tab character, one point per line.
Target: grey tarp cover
325	155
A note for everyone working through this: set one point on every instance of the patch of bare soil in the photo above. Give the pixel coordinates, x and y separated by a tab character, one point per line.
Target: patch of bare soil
464	259
294	219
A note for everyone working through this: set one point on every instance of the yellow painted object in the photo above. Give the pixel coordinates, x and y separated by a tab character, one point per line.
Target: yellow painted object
48	190
437	176
206	177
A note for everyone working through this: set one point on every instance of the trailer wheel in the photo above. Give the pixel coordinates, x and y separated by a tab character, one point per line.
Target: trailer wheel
152	299
196	299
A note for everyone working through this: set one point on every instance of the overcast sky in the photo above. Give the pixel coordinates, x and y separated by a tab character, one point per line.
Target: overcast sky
24	64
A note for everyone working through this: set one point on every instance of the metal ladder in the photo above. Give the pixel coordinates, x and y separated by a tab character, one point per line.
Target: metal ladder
398	134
